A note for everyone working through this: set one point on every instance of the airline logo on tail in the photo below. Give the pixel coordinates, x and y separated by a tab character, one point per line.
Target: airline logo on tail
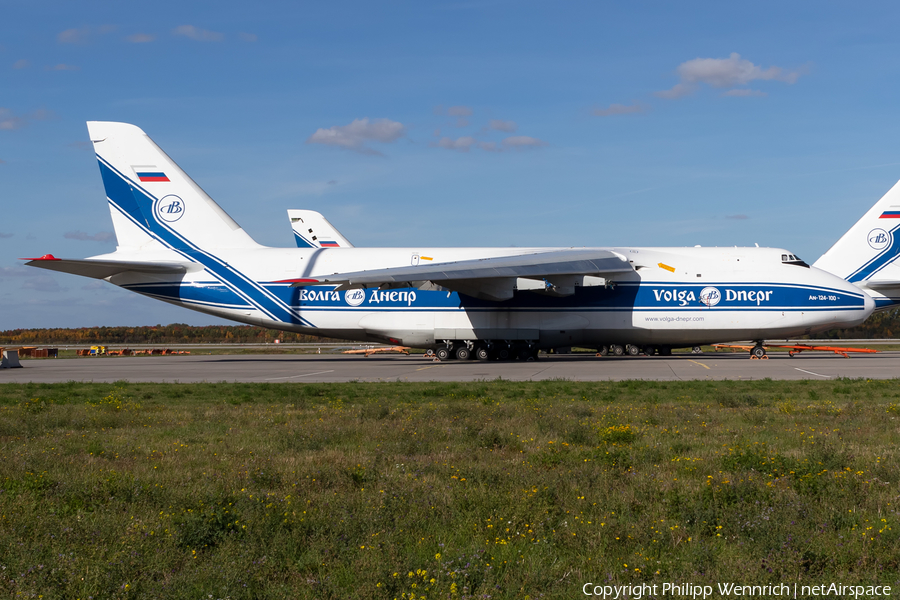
879	239
170	208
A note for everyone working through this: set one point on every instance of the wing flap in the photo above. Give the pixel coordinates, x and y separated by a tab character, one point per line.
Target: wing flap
101	269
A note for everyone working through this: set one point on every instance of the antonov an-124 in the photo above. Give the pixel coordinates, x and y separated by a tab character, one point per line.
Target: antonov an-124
176	244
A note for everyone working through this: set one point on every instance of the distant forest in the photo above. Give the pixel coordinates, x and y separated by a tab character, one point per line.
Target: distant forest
176	333
883	325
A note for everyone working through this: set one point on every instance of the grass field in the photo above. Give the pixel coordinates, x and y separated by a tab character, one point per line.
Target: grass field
443	490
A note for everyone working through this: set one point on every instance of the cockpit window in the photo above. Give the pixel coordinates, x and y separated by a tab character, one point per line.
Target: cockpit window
793	259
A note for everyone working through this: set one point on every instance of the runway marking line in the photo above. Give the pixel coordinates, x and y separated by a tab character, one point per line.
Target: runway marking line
430	367
295	376
698	363
816	374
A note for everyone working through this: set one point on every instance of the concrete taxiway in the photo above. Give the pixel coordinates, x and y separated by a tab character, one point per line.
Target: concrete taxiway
337	368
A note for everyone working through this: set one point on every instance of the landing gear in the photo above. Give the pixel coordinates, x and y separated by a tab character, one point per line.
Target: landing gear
758	352
442	353
696	350
632	350
665	351
616	350
482	353
604	350
463	353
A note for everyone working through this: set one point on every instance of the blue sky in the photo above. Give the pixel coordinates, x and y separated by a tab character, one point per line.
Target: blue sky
447	123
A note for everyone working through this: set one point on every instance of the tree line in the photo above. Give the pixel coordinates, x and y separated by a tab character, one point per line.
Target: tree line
884	325
175	333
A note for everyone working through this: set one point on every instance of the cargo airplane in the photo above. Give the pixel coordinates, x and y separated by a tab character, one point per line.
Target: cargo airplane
177	245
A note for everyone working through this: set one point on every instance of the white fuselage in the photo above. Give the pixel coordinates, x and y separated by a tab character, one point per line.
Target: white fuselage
675	297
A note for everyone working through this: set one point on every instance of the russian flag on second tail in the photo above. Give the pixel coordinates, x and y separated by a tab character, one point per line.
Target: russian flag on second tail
325	244
890	214
152	176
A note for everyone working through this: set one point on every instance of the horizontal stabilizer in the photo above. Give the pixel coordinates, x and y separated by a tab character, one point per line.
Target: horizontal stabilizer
101	269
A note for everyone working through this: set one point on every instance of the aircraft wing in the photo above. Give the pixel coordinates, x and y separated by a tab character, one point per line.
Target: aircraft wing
101	269
886	287
491	278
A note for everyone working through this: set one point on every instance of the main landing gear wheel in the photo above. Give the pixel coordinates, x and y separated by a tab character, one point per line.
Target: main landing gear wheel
442	353
632	350
758	352
617	350
463	353
665	351
481	353
696	350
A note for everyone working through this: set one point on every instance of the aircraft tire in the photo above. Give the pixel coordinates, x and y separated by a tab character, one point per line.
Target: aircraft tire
482	353
503	353
632	350
442	353
696	350
463	353
758	351
604	350
617	350
649	350
665	351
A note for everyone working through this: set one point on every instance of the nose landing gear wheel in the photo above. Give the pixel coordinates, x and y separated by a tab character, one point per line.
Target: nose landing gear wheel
696	350
758	352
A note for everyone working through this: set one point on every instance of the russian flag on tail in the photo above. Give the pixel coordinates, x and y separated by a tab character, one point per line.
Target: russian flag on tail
152	176
325	244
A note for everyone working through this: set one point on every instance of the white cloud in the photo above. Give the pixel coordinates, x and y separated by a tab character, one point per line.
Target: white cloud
141	38
80	35
42	283
463	144
248	37
460	111
21	64
523	141
355	135
103	236
679	90
73	36
506	126
197	34
744	92
618	109
10	121
724	73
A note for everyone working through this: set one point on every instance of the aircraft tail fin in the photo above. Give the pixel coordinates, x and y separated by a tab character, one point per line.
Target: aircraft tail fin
152	200
868	251
312	230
